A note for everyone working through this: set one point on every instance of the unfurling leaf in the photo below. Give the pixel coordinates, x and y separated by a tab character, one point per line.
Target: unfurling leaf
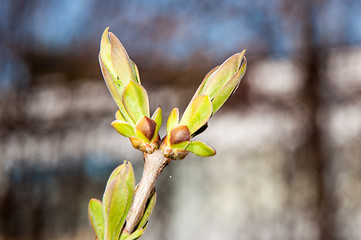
158	118
221	82
121	62
114	204
173	119
223	74
114	91
197	113
200	89
117	199
228	89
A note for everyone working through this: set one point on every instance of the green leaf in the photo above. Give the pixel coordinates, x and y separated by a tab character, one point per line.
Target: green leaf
173	119
200	130
158	118
119	116
105	53
121	62
148	210
181	145
112	81
197	113
109	81
135	68
115	200
201	149
124	235
135	235
130	182
204	82
228	89
95	212
135	99
123	128
127	169
223	74
115	173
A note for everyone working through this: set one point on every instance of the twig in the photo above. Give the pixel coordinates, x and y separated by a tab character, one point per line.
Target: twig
153	165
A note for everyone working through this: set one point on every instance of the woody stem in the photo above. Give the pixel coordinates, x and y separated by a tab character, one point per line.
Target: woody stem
154	163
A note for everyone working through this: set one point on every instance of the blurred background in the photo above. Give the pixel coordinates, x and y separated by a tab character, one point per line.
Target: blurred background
288	163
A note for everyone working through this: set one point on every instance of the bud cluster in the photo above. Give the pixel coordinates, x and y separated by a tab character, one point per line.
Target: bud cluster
133	119
122	78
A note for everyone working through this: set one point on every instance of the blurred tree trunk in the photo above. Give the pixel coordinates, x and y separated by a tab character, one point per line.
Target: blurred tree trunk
312	56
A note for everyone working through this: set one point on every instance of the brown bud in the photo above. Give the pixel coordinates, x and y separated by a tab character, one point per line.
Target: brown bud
146	127
179	134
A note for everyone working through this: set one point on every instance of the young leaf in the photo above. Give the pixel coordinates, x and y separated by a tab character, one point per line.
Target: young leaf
200	130
127	169
204	82
158	118
124	235
135	99
130	182
181	145
173	119
223	74
105	53
135	235
121	62
96	218
136	142
115	173
115	200
197	113
201	149
135	68
228	89
119	116
123	128
114	91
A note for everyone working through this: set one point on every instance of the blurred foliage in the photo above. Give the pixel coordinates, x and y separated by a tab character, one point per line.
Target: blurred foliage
295	127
